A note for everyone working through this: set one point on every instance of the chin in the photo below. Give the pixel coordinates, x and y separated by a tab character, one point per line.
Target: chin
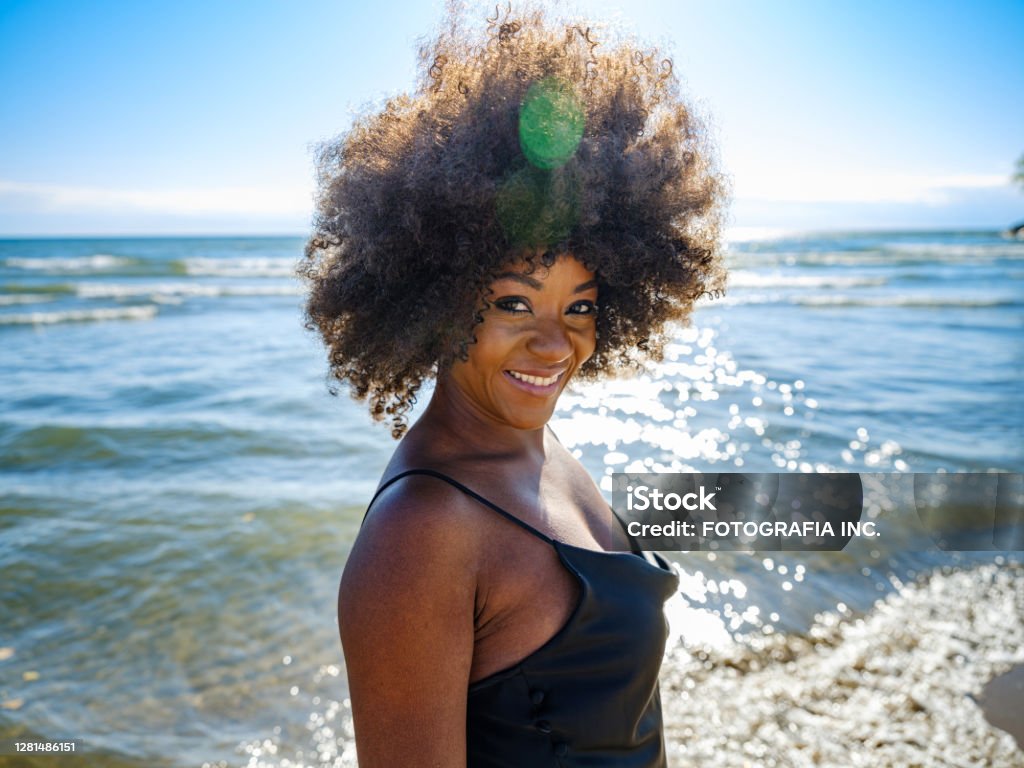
529	421
529	425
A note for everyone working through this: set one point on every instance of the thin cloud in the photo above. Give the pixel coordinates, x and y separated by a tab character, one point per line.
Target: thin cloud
820	187
260	200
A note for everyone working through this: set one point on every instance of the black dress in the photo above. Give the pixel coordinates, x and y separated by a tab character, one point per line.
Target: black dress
587	698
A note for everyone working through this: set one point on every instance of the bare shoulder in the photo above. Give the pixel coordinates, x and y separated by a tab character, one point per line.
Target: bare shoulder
405	604
419	536
420	517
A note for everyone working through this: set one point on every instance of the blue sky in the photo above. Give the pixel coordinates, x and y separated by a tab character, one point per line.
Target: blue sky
200	117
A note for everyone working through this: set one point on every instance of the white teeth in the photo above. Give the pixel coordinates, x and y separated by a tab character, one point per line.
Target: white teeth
535	380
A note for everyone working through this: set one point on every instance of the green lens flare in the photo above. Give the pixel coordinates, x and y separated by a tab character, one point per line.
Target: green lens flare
550	123
537	207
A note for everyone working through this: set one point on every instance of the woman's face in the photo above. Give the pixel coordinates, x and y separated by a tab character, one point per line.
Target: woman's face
538	331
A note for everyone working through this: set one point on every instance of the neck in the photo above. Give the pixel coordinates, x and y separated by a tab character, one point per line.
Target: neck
457	426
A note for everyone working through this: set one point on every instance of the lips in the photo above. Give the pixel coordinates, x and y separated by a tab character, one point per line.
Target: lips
533	384
537	381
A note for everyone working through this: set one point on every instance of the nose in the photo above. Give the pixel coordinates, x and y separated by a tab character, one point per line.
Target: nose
550	341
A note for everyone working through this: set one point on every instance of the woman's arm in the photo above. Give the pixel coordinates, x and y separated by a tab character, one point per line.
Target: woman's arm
405	612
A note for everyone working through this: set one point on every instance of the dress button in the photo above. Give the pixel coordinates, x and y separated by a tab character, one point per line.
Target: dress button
543	726
561	749
537	698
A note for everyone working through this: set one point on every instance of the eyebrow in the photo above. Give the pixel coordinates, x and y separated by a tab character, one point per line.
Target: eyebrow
537	285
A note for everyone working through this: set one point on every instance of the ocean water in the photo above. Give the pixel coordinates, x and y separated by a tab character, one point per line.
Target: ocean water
178	493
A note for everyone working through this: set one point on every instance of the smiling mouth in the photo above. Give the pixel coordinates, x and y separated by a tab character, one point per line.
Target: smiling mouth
537	381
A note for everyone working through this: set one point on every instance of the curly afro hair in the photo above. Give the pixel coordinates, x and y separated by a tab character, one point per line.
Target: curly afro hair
527	137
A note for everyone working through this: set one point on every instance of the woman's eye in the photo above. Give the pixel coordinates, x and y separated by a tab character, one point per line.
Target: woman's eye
583	308
512	305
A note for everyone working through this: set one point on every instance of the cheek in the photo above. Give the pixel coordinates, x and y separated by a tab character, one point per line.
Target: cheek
587	344
489	349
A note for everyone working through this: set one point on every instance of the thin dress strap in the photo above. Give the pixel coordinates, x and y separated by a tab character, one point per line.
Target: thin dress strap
468	491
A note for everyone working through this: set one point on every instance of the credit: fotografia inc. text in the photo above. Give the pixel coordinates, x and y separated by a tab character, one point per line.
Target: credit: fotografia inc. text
809	511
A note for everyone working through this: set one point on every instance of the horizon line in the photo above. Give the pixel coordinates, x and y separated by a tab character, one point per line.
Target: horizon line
739	232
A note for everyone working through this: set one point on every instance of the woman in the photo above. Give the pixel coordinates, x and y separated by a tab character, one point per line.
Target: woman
536	211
